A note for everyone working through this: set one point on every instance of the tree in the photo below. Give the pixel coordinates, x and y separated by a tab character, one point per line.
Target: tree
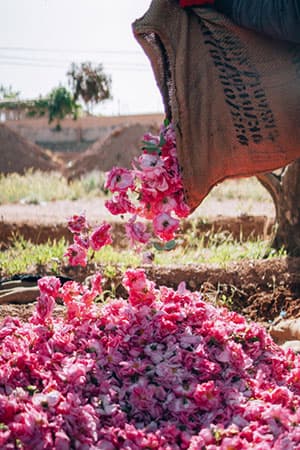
88	83
8	93
61	104
285	192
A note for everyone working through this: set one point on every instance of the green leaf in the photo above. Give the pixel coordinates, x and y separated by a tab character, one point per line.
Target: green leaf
158	246
170	245
150	147
166	122
165	247
162	140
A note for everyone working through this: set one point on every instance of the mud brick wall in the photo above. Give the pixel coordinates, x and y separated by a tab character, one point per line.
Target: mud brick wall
76	135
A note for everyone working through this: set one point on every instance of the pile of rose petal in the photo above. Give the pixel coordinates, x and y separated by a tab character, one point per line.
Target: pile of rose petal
159	370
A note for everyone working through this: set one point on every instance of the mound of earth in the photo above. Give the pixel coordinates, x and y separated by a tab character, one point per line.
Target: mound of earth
118	149
18	155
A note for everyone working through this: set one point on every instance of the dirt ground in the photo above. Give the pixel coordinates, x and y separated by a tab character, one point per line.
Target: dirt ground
42	228
19	155
263	291
118	149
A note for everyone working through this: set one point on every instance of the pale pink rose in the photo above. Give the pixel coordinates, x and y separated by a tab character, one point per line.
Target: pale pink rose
135	279
45	306
120	204
77	223
49	399
170	134
148	257
165	226
100	236
96	282
49	285
151	166
70	291
82	240
166	204
8	408
4	437
181	209
159	184
88	298
76	255
149	137
141	290
27	429
137	232
142	395
104	444
120	180
207	396
74	372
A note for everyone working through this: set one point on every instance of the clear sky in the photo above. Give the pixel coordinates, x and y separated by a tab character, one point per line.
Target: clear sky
39	39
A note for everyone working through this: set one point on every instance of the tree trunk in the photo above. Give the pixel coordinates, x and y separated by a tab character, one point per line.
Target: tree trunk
285	191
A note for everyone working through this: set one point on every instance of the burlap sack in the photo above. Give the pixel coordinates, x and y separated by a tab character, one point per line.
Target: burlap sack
233	95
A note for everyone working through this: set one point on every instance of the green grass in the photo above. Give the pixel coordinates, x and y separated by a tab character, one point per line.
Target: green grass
37	187
24	256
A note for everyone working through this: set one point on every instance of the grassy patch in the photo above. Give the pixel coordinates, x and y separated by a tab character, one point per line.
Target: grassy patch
37	187
216	248
25	257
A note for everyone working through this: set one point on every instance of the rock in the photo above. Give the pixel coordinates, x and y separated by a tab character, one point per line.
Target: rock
286	330
293	345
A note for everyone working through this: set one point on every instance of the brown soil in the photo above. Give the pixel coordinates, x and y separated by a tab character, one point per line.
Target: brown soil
237	228
118	149
19	155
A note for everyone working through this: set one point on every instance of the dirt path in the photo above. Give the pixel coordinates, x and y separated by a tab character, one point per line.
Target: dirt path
49	213
48	220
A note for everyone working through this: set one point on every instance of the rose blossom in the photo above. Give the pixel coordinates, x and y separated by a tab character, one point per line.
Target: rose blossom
76	255
45	306
156	183
49	285
120	204
100	236
137	231
120	180
77	223
165	226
